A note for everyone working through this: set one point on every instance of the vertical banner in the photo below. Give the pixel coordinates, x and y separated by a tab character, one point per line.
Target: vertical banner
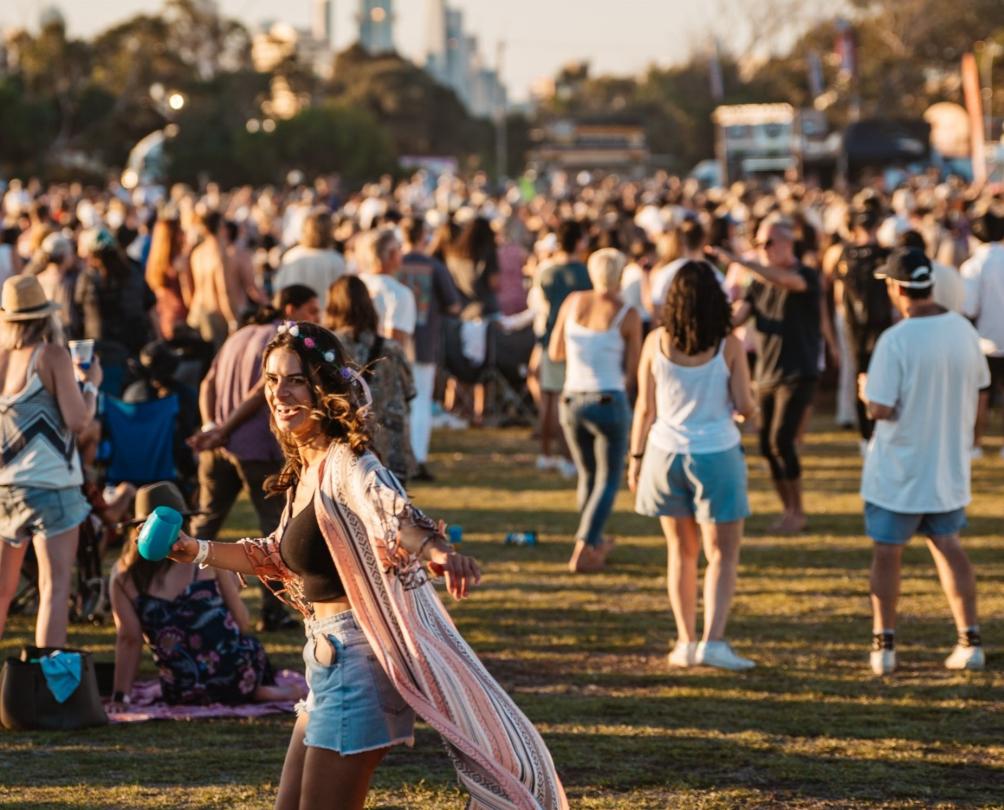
816	85
974	106
715	73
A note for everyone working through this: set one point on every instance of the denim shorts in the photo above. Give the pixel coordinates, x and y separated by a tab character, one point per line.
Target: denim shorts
896	528
352	706
29	511
709	487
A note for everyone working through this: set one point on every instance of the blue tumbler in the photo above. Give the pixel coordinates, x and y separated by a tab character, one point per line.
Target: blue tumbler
159	532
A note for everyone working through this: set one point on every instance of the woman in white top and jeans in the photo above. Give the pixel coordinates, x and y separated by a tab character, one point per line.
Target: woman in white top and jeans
599	338
41	411
687	466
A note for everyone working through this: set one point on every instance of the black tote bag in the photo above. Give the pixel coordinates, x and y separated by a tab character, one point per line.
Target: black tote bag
26	704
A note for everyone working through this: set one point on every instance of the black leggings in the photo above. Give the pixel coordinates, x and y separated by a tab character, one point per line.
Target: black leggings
781	411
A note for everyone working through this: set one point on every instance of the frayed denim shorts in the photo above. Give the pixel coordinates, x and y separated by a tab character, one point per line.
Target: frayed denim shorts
29	511
352	706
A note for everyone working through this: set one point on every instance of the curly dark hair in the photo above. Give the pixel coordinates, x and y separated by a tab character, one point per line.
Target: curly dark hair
337	398
696	314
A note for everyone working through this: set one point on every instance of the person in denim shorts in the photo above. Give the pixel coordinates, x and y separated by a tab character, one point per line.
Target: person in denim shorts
687	466
42	409
353	713
922	389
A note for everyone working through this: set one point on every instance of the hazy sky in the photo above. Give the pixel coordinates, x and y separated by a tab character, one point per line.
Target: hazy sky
619	36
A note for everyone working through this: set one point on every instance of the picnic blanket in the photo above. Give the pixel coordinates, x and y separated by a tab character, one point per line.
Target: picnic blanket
147	704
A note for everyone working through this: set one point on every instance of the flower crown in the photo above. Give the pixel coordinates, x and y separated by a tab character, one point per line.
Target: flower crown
292	328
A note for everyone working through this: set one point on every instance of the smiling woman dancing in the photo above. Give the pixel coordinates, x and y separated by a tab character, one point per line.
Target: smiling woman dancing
349	554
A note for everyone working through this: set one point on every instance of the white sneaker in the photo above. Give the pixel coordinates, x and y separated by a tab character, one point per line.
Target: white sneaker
545	463
683	655
976	453
720	655
567	468
972	658
882	661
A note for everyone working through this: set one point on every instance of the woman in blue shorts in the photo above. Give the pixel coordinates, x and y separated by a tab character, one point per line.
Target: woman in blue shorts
687	466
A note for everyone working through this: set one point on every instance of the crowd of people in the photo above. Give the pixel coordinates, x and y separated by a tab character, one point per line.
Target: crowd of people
287	332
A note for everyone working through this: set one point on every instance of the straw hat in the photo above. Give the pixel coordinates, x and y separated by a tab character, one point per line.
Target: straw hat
163	493
23	299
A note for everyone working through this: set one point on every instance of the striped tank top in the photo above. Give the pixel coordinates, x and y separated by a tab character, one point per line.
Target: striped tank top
36	447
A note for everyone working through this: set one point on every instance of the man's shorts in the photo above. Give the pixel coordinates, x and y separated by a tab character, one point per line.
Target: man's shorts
896	528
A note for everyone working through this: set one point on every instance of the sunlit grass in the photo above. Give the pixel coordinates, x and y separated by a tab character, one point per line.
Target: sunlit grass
585	658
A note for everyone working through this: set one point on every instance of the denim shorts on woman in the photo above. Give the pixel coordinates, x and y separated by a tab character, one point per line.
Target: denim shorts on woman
29	511
896	528
709	487
352	705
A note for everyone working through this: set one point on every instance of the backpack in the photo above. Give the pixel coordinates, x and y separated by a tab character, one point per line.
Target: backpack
867	307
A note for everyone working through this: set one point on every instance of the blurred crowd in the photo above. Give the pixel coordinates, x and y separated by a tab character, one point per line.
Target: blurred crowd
432	283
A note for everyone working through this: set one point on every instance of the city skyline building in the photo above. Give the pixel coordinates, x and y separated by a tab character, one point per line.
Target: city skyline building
376	26
453	58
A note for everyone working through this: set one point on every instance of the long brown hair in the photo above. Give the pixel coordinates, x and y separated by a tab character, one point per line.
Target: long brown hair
335	391
164	248
350	307
141	571
696	313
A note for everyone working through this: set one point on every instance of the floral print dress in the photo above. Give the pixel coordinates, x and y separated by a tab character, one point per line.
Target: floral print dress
198	648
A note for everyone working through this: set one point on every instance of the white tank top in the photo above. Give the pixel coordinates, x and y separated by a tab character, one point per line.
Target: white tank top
693	406
594	358
36	448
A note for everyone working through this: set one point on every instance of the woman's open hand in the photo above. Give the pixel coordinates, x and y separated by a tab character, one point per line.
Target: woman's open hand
460	572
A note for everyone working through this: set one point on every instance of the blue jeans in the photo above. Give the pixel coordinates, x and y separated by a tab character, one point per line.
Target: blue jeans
596	428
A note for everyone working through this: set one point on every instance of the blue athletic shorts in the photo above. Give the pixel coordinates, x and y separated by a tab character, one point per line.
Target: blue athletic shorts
896	528
709	487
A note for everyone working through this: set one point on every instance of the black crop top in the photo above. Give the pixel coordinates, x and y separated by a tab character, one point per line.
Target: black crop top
306	553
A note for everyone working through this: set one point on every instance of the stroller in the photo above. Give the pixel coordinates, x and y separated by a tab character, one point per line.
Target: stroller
483	353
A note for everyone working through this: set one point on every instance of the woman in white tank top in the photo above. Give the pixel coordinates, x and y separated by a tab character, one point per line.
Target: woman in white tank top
687	466
599	338
41	410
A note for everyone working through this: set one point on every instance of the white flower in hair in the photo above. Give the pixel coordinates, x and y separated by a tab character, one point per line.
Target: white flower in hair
329	356
294	330
283	327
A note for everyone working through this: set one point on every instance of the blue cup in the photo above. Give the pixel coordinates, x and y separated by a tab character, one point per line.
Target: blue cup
159	532
455	533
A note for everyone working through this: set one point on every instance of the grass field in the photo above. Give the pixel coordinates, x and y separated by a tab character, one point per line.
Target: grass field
585	658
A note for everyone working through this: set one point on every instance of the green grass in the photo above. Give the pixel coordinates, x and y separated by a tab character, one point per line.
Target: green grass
585	658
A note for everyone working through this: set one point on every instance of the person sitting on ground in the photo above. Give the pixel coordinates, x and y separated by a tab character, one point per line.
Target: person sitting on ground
193	620
353	318
687	465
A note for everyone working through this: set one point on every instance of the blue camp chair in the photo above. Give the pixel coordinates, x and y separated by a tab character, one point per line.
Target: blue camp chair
139	447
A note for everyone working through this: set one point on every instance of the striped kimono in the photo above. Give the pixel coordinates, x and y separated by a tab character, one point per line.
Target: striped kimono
499	756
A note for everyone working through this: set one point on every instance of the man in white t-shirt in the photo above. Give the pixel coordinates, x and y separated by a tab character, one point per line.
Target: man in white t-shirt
394	302
921	388
313	262
983	275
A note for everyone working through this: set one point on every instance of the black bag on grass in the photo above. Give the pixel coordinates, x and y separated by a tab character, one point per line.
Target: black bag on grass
26	704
